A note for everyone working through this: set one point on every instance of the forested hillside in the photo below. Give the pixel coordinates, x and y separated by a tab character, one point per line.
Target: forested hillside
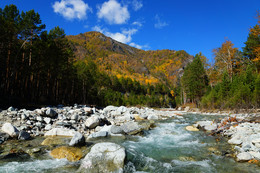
48	67
40	67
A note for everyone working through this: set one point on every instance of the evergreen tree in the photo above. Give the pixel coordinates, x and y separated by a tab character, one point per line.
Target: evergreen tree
194	80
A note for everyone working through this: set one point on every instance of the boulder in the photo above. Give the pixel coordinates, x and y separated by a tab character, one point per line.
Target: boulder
10	109
70	153
23	135
186	109
192	129
50	113
78	139
207	125
131	128
60	132
116	129
236	139
10	129
3	137
245	156
99	134
122	109
153	117
92	122
104	157
47	120
137	117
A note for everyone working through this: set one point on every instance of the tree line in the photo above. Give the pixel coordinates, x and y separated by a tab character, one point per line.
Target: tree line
232	82
38	67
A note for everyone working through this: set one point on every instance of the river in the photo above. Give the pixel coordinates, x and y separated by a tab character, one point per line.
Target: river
166	148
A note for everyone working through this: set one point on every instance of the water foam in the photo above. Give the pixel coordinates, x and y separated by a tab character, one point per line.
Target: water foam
34	166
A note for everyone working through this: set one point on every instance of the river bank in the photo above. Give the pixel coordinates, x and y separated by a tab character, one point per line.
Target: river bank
51	132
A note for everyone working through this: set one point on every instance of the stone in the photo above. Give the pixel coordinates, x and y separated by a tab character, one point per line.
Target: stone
70	153
23	116
131	128
3	137
116	129
23	135
245	156
39	118
191	128
207	125
50	113
104	157
74	117
122	109
137	117
92	122
236	140
10	129
77	140
60	132
48	127
47	120
10	109
153	117
99	134
187	109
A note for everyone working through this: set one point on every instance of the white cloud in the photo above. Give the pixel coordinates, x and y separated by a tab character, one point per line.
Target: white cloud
124	37
137	23
137	5
159	23
72	9
136	45
113	12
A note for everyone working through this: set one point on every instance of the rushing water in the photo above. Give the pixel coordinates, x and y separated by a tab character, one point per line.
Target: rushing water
167	148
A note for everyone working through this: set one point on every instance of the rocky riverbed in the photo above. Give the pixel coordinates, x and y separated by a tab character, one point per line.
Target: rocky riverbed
88	136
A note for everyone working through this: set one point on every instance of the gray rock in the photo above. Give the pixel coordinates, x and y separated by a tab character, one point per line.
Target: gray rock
104	157
47	120
23	135
245	156
39	118
3	137
23	116
122	109
78	139
187	109
74	117
99	134
92	122
50	113
153	117
236	140
131	128
116	129
207	125
10	129
10	109
48	127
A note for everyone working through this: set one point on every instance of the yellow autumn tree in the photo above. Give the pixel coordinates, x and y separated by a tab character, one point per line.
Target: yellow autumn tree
226	57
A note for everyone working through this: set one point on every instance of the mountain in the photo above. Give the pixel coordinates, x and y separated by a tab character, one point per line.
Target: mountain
122	60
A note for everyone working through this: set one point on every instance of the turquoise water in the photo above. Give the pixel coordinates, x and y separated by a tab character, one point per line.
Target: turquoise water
170	148
165	149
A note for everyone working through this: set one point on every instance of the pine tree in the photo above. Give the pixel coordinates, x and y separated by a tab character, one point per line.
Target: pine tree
194	80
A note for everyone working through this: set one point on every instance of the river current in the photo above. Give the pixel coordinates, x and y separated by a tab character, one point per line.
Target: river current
167	148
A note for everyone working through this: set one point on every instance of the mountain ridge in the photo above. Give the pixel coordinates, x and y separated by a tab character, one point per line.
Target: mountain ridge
122	60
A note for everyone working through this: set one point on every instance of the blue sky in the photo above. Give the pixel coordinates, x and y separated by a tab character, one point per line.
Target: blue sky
191	25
